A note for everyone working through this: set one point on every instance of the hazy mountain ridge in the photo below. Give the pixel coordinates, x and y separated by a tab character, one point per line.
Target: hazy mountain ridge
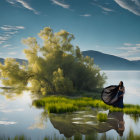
111	62
104	61
17	59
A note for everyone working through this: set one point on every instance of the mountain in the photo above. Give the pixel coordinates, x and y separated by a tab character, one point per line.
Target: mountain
17	59
111	62
104	61
137	62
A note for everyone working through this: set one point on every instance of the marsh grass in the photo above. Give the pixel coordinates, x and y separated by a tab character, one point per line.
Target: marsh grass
60	104
21	137
102	117
130	136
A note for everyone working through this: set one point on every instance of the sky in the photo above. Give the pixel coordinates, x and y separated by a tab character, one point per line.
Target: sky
108	26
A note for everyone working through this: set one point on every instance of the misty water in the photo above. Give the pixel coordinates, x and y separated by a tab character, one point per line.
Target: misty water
19	117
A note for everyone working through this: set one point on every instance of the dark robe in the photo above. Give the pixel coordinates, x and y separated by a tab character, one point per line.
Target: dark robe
110	94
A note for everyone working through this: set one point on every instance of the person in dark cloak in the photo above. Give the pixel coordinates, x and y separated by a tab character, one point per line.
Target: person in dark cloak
121	91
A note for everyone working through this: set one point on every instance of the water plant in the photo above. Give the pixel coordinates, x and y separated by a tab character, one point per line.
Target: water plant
102	117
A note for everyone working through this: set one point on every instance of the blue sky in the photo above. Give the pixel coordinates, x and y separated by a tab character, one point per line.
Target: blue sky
109	26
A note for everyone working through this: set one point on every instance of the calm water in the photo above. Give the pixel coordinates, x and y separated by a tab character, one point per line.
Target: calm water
18	117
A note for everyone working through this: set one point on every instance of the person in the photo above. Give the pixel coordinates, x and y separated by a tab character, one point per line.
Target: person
121	91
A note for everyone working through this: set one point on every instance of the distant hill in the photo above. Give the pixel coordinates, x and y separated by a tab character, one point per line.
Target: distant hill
104	61
111	62
18	60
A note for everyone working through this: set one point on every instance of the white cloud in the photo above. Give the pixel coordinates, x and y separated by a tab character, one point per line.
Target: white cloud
23	4
126	54
130	5
12	53
57	2
86	15
129	52
8	31
133	58
4	37
130	48
6	45
105	8
11	28
127	44
137	44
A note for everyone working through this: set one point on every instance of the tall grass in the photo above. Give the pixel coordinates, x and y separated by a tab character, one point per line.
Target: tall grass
102	117
21	137
59	104
94	136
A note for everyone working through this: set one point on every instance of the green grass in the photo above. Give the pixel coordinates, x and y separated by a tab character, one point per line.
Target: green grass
22	137
102	117
130	136
59	104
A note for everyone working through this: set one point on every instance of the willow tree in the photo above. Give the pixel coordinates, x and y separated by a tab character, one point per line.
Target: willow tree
56	67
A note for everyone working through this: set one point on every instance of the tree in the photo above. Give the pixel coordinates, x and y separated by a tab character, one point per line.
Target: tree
56	67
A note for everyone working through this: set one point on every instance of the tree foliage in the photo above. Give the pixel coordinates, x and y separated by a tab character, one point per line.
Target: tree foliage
55	67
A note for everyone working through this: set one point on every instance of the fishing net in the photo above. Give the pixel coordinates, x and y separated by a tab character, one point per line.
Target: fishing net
110	94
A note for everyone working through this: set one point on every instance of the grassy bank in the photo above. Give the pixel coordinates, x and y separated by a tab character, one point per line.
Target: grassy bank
59	104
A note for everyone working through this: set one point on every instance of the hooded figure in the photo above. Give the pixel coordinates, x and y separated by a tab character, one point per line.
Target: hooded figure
113	95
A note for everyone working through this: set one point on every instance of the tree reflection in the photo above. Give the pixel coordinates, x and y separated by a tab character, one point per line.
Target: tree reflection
12	93
40	122
135	117
84	123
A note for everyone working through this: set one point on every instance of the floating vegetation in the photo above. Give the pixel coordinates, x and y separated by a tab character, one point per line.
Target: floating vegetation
102	117
59	104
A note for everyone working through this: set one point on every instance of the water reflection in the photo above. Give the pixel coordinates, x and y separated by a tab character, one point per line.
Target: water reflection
135	117
115	121
72	124
11	93
40	121
82	122
18	117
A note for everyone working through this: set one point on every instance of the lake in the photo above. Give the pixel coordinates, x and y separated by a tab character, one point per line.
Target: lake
19	117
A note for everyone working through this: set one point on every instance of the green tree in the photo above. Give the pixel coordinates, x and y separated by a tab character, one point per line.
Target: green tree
55	67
